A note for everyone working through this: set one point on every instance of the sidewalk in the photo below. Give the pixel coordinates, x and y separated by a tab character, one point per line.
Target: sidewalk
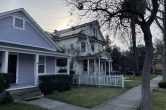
126	101
54	105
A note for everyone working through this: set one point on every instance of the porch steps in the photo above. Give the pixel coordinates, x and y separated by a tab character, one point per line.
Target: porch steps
26	94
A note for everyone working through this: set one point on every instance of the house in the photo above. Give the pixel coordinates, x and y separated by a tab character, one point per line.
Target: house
85	45
26	50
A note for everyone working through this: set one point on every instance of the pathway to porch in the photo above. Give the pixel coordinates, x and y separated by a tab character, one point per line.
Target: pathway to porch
127	101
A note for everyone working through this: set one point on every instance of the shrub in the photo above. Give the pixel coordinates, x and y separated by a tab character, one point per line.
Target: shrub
50	83
5	81
72	72
62	71
5	97
162	84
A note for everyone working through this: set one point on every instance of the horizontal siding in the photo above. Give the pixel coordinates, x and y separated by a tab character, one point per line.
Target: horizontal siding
29	36
26	69
50	65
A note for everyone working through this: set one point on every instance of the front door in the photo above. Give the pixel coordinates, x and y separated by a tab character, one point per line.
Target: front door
12	67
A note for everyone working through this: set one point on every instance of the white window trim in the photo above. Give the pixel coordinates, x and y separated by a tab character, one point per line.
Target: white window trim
81	46
14	17
43	64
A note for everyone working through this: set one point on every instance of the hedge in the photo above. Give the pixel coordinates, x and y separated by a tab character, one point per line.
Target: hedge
5	81
50	83
162	84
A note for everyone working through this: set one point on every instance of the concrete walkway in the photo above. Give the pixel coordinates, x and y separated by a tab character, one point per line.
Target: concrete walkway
54	105
126	101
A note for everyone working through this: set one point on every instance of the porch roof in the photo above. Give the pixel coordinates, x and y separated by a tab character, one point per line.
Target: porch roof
30	48
97	56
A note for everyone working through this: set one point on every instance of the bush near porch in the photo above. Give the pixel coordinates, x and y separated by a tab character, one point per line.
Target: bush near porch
51	83
5	81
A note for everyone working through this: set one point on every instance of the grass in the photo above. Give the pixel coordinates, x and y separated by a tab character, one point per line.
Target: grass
87	96
19	106
137	78
159	100
131	84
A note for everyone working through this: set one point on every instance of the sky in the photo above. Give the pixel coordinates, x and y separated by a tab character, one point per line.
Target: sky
49	14
54	15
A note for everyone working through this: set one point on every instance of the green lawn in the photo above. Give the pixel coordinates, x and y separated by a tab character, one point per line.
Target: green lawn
87	96
159	100
131	84
137	78
19	106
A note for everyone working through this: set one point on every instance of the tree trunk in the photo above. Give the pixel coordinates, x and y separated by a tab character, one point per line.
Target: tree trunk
164	38
146	98
135	55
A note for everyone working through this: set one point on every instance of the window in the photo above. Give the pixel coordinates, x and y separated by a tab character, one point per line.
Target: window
85	65
93	48
18	23
83	46
95	32
61	62
42	64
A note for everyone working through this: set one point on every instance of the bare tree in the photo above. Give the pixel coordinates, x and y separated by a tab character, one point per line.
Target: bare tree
160	21
110	12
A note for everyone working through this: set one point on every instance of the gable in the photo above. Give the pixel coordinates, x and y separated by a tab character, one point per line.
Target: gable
93	30
30	36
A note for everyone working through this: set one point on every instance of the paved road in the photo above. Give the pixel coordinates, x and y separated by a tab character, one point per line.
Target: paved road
126	101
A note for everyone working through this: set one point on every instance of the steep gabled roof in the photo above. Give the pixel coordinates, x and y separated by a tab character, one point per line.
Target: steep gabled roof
46	36
76	30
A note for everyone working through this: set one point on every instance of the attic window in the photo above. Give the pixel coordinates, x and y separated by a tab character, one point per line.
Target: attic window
18	23
95	32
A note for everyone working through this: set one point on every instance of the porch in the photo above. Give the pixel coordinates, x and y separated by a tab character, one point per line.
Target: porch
94	66
25	67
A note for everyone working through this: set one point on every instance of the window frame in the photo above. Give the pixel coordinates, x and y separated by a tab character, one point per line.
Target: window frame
93	47
14	22
44	63
81	46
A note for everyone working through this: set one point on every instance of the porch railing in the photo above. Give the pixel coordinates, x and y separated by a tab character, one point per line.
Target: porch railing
101	80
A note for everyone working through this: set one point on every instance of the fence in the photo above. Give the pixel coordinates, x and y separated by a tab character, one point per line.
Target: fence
101	80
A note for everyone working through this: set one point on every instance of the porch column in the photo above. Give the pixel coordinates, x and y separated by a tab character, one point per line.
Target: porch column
109	67
105	68
88	67
36	69
68	66
99	66
94	66
5	58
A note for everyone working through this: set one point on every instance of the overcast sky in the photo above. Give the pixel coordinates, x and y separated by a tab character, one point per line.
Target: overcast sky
53	14
50	14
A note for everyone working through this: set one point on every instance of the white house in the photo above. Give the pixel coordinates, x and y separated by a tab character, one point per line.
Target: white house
84	44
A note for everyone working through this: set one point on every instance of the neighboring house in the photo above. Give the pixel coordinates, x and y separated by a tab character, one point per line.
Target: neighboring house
157	64
85	45
26	50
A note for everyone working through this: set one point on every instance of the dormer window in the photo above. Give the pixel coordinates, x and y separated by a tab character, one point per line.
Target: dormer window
18	23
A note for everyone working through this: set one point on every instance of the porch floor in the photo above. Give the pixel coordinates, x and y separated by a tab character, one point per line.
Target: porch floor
21	86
